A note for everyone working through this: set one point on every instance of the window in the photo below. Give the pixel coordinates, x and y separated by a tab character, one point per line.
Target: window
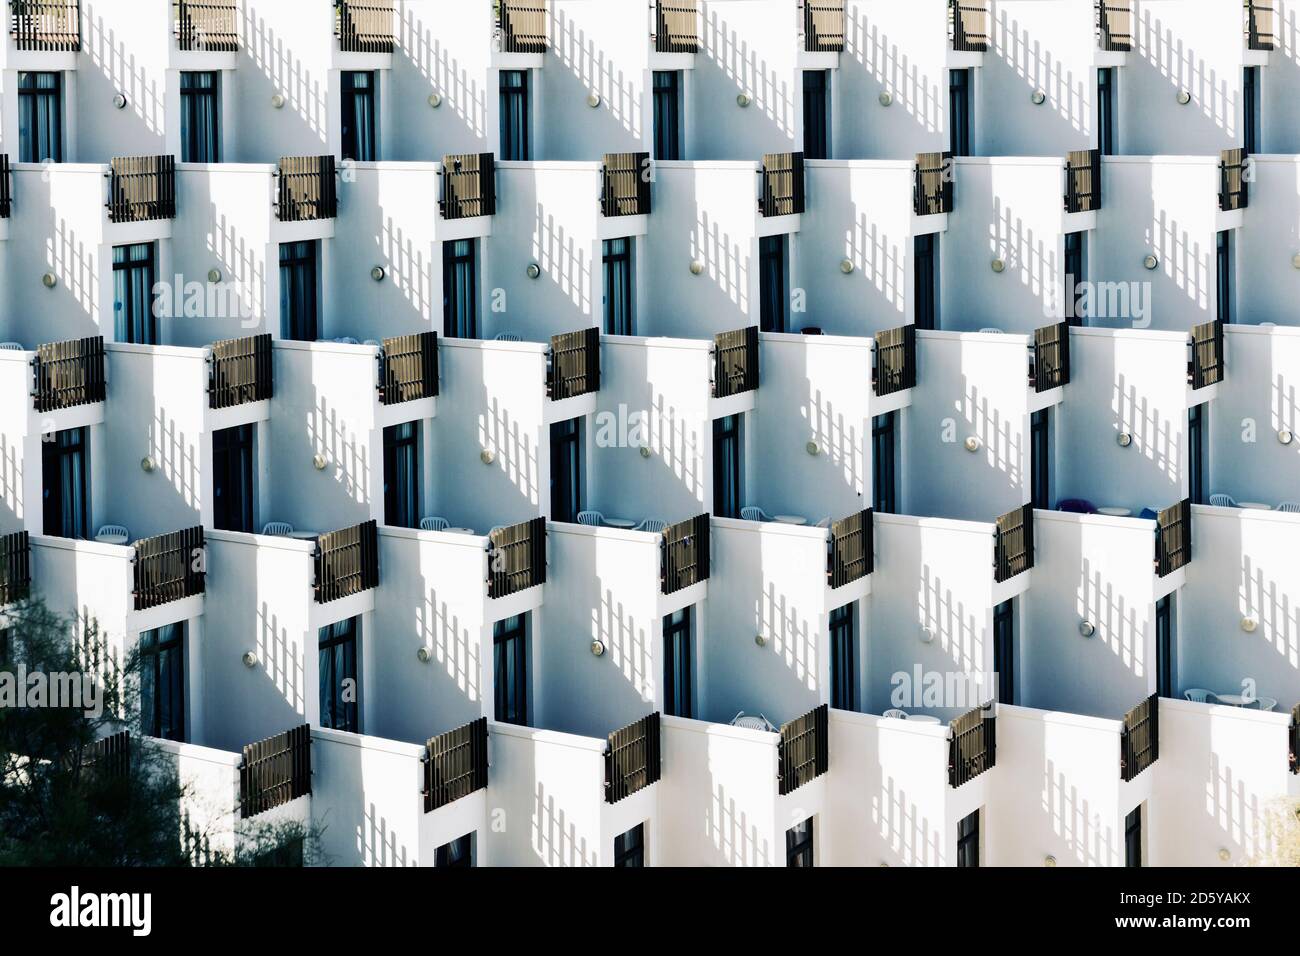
402	467
1133	838
162	682
771	280
884	445
844	657
968	840
516	123
959	110
133	280
1250	108
566	470
339	689
1074	277
460	289
40	117
299	311
1223	264
679	654
358	99
926	275
1165	646
1196	446
799	844
200	117
510	669
617	258
728	473
458	854
1040	455
1106	111
629	847
63	480
232	478
668	114
816	125
1004	650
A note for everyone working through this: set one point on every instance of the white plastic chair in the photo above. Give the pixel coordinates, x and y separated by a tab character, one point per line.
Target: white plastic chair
112	531
824	523
1223	501
12	346
507	337
751	722
278	529
896	714
754	513
1199	695
655	525
346	340
1266	703
989	328
593	518
1291	507
434	524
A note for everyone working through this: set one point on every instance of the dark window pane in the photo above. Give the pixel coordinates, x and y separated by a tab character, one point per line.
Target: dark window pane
402	468
40	117
340	690
358	129
460	289
667	110
232	478
510	668
133	282
299	314
200	117
617	261
679	654
516	123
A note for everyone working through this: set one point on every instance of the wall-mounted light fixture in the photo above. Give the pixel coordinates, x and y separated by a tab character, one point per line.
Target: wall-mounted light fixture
1150	261
927	636
147	465
250	658
1124	439
1184	97
886	99
1038	97
743	100
49	280
1284	436
533	270
319	462
812	448
1248	624
1295	260
645	451
597	649
998	265
435	100
697	267
214	275
760	640
487	456
423	655
846	266
1049	861
119	101
278	101
593	100
972	444
1087	628
378	273
1225	854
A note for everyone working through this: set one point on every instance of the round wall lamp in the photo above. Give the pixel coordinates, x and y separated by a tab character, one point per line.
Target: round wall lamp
846	266
533	270
697	267
999	265
1124	439
119	101
812	448
927	637
593	100
320	462
1284	436
487	456
1150	262
1248	624
743	100
1184	97
277	101
378	273
1049	861
435	100
147	465
423	655
250	658
1087	628
760	640
597	649
1038	97
645	451
1225	854
1295	260
49	280
886	99
214	275
972	444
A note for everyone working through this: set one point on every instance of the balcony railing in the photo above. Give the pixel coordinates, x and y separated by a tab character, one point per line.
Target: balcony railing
972	745
1205	366
781	193
851	554
1013	543
108	758
1174	537
1083	180
516	558
968	25
932	188
1294	755
275	771
1234	188
208	25
684	554
347	561
735	362
573	364
168	567
408	368
521	25
1139	740
142	188
893	367
625	184
676	26
239	371
1115	25
307	189
15	567
1049	365
455	764
68	373
1259	24
469	186
803	753
50	26
364	26
6	187
632	758
823	26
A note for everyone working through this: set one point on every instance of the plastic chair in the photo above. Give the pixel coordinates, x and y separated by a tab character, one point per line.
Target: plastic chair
1291	507
750	722
278	529
1264	703
507	337
824	523
989	328
1199	695
655	525
1223	501
896	714
112	531
1149	514
12	346
592	518
754	513
434	524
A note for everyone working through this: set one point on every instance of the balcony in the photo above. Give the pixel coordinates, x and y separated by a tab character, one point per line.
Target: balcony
823	26
408	368
1115	25
239	371
49	26
469	186
968	25
168	567
625	184
364	26
1234	187
275	771
210	26
851	554
573	364
142	189
307	189
684	554
455	764
6	187
803	753
1083	180
735	362
516	558
521	26
782	190
15	567
1259	25
1139	740
676	26
347	562
67	374
1294	737
972	746
932	190
1049	365
1013	543
632	758
1205	366
1174	537
893	366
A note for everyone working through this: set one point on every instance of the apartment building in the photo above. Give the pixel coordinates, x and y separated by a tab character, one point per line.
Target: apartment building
695	432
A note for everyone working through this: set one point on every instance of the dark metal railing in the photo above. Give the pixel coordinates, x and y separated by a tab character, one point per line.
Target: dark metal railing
209	25
364	26
51	26
168	567
893	366
275	771
1083	180
1139	740
972	745
1013	543
108	758
851	554
735	362
455	764
522	26
6	187
625	184
632	758
408	368
307	189
1049	365
1205	365
573	364
68	373
1174	537
782	192
142	188
823	26
1294	756
1115	25
676	29
1234	188
968	25
15	567
1260	33
239	371
932	187
516	558
684	554
347	561
469	186
803	752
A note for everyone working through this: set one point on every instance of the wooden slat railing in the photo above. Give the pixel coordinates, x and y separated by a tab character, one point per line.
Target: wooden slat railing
803	753
823	26
782	190
522	26
625	184
1139	740
307	189
49	26
168	567
347	561
1013	543
1083	180
1173	537
455	764
1294	756
1234	188
893	367
1115	25
851	552
15	567
142	188
68	373
1260	30
469	186
968	25
208	25
6	187
1050	358
684	554
240	371
932	189
408	368
972	745
573	364
516	558
364	26
735	362
632	758
676	26
275	771
1206	364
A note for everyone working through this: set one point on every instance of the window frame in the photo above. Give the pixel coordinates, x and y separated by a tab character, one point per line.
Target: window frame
403	471
358	144
29	100
616	266
162	653
843	628
128	326
679	663
460	265
520	92
234	449
511	699
728	465
349	719
300	259
800	844
629	848
191	97
57	454
667	102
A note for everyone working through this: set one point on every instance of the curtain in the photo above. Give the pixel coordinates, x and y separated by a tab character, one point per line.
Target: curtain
200	117
359	116
298	316
460	285
618	286
40	117
514	115
162	682
338	664
667	122
133	281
